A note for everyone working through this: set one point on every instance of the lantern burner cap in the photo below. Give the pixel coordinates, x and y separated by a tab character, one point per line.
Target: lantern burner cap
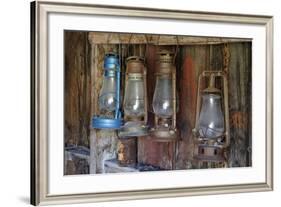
135	64
135	58
211	90
111	54
165	56
111	61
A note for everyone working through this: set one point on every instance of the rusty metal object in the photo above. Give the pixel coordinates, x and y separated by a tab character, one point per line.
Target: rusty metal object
137	69
127	151
135	125
210	153
135	64
213	149
212	88
164	135
165	67
212	75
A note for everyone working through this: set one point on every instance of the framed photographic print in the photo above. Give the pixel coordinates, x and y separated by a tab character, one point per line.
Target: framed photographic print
135	103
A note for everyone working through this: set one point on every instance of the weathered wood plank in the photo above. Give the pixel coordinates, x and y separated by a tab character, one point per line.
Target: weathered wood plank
76	89
124	38
76	161
194	59
112	166
240	78
103	143
239	95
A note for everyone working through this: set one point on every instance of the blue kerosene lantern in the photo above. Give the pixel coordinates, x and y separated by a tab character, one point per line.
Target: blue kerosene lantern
109	97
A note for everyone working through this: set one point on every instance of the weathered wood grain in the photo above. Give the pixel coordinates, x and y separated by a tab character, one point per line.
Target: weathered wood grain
125	38
193	60
239	76
77	77
103	143
240	79
83	79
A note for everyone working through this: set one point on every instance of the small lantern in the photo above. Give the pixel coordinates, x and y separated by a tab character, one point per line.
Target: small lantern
109	97
164	98
135	99
212	118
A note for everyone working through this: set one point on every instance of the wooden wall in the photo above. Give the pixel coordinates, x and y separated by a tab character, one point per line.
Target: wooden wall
195	59
191	61
240	98
77	93
83	79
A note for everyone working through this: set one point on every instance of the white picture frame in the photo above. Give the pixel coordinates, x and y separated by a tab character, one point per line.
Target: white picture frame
49	186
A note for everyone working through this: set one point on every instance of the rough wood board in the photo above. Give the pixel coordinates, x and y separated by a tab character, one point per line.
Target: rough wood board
240	98
74	165
193	60
76	88
111	166
124	38
103	143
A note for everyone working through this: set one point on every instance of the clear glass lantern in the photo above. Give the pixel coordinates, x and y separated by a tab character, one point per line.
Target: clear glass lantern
211	118
164	98
135	99
109	96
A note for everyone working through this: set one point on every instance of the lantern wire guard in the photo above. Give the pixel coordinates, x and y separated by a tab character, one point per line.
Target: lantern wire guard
112	69
212	131
135	114
165	125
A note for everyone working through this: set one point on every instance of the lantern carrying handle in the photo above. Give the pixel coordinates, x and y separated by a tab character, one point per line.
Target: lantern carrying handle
146	46
176	50
118	81
146	41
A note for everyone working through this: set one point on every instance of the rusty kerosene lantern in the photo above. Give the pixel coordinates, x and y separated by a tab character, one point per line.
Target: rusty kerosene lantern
135	99
164	98
135	111
212	118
